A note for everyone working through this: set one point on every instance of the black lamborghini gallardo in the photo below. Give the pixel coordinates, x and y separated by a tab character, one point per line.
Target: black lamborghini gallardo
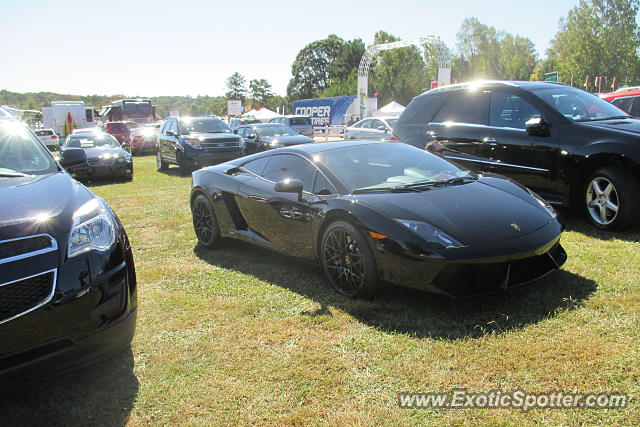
373	213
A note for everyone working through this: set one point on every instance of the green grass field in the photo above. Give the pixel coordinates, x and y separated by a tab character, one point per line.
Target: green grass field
243	336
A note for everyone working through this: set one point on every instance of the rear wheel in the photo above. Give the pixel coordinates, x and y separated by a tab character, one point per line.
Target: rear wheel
205	223
610	198
161	164
347	260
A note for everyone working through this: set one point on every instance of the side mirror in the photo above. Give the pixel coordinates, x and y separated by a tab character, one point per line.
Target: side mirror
235	131
252	136
537	127
289	185
384	128
172	133
72	157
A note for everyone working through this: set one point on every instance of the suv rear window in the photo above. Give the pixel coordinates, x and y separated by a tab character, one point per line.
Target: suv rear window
300	121
44	132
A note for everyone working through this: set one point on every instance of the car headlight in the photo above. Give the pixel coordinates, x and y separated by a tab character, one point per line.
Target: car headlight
429	232
194	143
94	228
545	204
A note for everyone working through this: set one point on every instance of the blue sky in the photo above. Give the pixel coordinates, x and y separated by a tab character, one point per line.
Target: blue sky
190	47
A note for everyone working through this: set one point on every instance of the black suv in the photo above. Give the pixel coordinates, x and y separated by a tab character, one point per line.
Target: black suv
568	145
67	277
196	142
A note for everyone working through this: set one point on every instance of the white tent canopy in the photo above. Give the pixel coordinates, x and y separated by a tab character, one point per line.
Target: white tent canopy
263	114
391	109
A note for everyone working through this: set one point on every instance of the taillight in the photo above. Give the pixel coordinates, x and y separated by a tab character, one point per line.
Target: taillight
54	137
394	138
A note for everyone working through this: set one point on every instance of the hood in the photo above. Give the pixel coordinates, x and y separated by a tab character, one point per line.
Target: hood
472	213
95	153
287	140
40	204
621	125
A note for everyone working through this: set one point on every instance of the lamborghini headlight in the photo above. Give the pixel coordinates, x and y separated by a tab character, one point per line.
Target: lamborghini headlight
94	228
545	204
429	232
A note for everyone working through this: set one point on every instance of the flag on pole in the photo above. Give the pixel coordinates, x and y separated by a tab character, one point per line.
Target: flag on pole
69	126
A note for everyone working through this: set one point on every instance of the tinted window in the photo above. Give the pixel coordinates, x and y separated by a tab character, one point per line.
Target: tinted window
635	107
173	126
118	127
510	111
468	107
202	124
44	132
576	104
375	124
299	121
322	185
276	130
383	166
623	103
283	166
256	166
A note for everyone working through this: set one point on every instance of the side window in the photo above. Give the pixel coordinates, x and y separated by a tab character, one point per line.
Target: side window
172	125
510	111
468	107
443	113
366	124
375	124
624	104
164	125
283	166
256	166
322	186
635	107
241	131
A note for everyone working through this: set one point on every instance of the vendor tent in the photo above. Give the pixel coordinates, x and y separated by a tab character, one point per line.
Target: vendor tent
263	114
391	109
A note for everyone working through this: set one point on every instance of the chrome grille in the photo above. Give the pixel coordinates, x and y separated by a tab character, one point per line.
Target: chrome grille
25	295
25	247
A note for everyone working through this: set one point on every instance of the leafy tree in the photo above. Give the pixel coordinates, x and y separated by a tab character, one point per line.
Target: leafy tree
260	91
236	87
485	52
397	74
598	37
311	68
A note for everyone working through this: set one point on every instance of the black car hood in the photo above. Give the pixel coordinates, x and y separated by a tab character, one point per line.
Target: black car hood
39	204
621	125
287	140
210	136
472	213
96	153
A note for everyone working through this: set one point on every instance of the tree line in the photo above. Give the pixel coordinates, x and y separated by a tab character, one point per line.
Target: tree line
595	38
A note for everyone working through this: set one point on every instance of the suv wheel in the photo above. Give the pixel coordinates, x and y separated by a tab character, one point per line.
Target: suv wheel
610	198
161	164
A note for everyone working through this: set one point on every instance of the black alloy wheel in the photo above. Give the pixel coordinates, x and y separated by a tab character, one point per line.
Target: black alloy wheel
205	223
347	260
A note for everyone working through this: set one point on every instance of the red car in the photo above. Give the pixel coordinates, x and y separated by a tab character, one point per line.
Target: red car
144	138
626	100
120	130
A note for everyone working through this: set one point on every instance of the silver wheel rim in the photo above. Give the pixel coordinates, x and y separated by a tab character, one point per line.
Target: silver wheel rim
602	201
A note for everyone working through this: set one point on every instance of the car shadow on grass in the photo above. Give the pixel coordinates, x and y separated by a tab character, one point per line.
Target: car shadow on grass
99	394
576	221
407	311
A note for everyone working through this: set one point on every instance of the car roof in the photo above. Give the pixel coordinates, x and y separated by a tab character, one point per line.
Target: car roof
290	116
263	124
512	83
624	94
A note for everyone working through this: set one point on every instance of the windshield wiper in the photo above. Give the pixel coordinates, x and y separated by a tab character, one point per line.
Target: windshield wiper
12	174
431	183
396	189
604	118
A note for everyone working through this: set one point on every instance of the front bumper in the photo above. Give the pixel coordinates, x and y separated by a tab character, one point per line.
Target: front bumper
474	270
89	172
208	158
92	314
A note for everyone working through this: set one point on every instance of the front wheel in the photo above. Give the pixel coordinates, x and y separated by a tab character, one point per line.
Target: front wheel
205	223
610	197
161	164
347	260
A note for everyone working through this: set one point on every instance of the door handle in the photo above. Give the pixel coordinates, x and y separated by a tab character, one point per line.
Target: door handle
490	140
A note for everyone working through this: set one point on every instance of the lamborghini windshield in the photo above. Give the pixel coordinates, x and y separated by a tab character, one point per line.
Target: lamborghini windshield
389	166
